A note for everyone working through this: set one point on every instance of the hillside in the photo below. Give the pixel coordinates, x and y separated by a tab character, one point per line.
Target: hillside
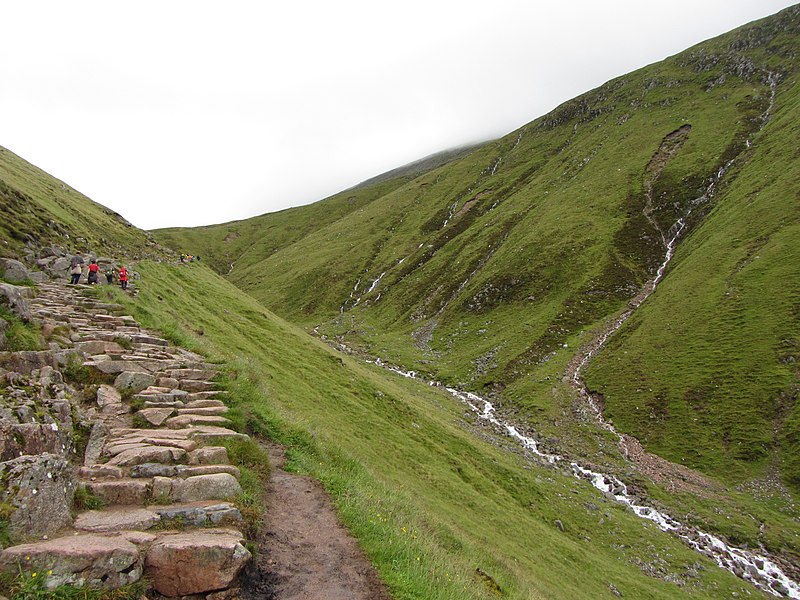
490	272
38	209
443	505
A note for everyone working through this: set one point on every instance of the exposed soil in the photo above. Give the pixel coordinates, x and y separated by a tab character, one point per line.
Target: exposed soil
304	551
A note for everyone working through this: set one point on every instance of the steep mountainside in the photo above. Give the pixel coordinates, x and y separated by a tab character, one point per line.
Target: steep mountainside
40	209
491	271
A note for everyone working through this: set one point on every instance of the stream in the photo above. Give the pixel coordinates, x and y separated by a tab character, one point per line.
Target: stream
749	565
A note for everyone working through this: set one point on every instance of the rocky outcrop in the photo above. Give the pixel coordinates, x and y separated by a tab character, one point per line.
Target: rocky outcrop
152	468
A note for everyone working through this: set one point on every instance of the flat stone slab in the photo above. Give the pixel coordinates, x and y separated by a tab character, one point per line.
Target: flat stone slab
161	470
203	410
156	416
188	420
201	374
195	562
204	403
199	514
81	560
137	456
196	385
218	486
111	367
116	519
121	491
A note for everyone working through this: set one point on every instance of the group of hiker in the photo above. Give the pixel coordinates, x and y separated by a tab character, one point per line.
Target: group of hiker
189	258
119	273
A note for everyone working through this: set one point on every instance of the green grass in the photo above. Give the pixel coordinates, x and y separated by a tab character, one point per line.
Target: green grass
441	512
31	586
19	334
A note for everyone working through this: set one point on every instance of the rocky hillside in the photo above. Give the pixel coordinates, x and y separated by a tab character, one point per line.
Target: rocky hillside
113	459
492	271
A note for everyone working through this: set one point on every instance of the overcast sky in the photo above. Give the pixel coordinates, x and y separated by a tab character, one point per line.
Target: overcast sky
192	112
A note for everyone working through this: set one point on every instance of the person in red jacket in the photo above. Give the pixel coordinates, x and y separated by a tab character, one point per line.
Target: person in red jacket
94	268
123	277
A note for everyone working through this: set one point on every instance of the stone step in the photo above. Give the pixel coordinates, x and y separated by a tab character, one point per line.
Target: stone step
100	472
125	491
149	470
184	421
209	455
156	416
116	518
208	434
203	403
86	560
196	385
206	395
199	514
201	374
149	454
195	562
165	404
216	486
203	410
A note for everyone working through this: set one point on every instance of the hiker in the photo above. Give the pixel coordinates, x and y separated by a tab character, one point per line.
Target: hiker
94	268
75	269
109	273
123	277
75	274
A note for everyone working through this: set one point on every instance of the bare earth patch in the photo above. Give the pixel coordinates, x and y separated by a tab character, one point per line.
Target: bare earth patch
304	551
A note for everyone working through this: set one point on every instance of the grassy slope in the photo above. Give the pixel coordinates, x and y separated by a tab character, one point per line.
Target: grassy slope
244	243
38	207
553	242
716	386
441	511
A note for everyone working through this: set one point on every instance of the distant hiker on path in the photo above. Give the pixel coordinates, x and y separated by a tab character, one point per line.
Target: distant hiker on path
75	269
109	275
75	274
94	268
123	277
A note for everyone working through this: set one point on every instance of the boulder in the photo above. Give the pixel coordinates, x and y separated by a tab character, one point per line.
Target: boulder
81	560
16	297
40	488
38	277
134	380
13	270
195	562
59	266
27	361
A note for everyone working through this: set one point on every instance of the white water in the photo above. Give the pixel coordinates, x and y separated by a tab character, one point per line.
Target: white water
750	566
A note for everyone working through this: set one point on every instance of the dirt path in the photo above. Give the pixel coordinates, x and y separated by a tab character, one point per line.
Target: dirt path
304	551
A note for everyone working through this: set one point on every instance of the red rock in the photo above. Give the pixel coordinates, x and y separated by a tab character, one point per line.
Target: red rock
196	562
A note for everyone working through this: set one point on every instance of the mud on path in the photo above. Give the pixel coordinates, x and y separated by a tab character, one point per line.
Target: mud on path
305	553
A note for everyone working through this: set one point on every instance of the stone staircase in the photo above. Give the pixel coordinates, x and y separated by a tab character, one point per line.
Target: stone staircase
153	459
